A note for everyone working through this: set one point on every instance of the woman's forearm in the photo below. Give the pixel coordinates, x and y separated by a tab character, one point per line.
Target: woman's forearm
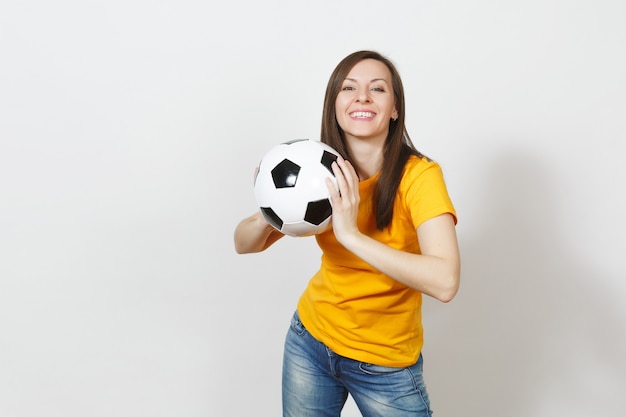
435	272
254	234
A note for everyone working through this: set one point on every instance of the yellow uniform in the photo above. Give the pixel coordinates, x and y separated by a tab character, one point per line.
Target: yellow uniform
357	311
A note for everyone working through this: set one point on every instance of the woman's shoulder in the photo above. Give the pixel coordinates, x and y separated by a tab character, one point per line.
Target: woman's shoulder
416	165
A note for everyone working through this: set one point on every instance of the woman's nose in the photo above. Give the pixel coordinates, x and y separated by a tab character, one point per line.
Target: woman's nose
363	97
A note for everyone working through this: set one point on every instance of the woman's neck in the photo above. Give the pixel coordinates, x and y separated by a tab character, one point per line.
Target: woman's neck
367	157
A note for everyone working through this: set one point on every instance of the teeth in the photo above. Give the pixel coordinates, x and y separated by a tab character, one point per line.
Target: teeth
362	114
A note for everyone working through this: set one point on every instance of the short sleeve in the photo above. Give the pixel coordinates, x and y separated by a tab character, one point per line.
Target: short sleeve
426	194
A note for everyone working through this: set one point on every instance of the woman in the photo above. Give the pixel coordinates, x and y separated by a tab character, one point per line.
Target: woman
357	329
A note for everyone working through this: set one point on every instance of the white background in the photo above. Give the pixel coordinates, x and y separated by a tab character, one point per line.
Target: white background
129	132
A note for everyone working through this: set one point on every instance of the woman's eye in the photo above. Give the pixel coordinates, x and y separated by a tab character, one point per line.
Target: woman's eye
348	88
378	89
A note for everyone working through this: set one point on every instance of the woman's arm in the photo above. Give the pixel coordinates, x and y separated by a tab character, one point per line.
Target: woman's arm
435	272
254	234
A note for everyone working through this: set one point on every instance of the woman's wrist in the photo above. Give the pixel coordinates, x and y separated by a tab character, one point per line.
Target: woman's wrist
262	224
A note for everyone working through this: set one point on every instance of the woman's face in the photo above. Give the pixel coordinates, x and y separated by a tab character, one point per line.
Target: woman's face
365	103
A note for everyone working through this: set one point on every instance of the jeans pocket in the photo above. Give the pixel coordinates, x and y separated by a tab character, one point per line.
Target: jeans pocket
296	325
371	369
411	374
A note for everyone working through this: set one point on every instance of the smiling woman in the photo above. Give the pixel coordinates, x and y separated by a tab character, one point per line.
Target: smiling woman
393	239
364	107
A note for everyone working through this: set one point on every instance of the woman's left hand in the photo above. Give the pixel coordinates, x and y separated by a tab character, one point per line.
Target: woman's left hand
344	199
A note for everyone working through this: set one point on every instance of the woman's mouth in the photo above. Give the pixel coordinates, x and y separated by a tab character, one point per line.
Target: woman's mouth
362	115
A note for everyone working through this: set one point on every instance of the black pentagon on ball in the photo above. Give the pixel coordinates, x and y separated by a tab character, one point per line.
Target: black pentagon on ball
318	211
272	218
285	174
327	160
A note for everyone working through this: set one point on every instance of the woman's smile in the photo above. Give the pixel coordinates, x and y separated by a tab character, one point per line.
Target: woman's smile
362	115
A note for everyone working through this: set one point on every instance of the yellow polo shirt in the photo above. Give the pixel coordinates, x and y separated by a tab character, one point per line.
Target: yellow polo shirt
357	311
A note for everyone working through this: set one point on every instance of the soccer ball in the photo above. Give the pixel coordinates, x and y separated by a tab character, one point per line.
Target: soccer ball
290	187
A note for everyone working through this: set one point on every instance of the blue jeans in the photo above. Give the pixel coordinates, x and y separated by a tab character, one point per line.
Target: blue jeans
317	381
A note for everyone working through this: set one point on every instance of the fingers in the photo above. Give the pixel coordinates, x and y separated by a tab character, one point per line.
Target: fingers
347	171
346	175
344	198
332	190
347	180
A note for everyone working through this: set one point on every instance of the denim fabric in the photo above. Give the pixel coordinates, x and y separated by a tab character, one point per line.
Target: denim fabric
317	381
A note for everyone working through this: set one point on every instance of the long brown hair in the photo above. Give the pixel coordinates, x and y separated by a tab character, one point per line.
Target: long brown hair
398	145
